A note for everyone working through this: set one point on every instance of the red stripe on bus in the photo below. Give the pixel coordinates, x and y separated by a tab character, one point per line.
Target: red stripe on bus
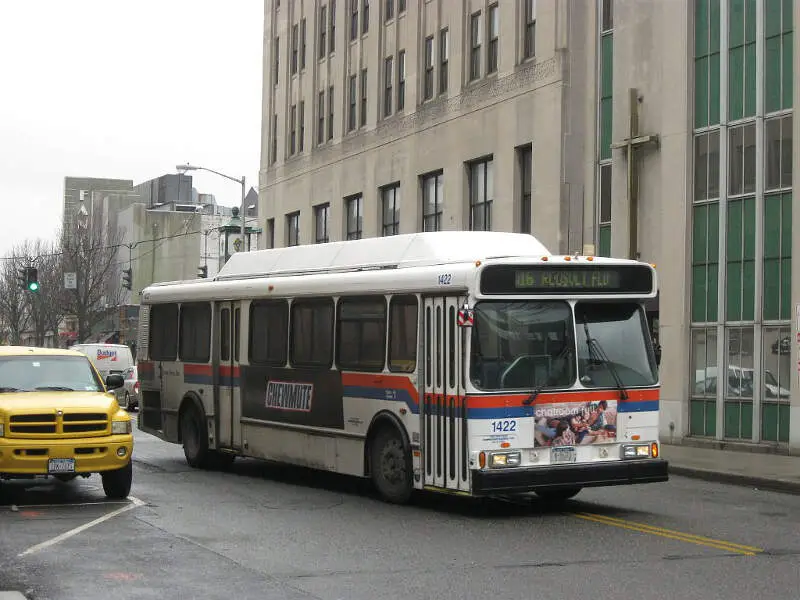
225	371
189	369
560	397
381	381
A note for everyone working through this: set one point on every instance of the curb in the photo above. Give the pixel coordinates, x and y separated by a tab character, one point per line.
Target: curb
765	483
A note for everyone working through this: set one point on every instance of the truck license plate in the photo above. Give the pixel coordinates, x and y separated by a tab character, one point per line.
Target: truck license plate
61	465
565	454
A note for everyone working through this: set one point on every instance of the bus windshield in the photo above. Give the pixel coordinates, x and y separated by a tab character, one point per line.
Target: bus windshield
522	345
620	331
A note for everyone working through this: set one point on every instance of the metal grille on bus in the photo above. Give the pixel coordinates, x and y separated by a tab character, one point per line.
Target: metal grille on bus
144	332
444	406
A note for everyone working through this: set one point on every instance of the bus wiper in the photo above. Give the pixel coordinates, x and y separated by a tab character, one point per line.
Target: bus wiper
596	352
539	388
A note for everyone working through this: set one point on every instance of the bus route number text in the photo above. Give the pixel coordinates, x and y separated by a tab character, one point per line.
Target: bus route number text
445	278
503	426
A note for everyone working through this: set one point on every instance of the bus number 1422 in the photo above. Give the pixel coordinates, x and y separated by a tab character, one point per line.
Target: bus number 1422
503	426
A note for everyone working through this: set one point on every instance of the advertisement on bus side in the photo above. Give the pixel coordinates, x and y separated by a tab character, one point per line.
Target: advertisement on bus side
575	423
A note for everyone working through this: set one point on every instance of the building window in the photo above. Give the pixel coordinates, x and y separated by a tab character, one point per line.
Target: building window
388	78
401	80
738	404
365	16
363	97
301	118
481	195
494	35
322	215
401	6
778	151
444	56
302	44
292	129
353	20
529	44
778	68
351	112
475	47
742	159
276	60
295	43
332	36
354	206
776	377
390	210
270	233
330	113
706	166
432	199
525	156
742	60
705	261
321	118
604	221
703	386
274	150
389	10
293	229
607	8
777	292
323	31
428	91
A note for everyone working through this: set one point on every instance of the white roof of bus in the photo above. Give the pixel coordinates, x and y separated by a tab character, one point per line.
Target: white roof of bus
398	251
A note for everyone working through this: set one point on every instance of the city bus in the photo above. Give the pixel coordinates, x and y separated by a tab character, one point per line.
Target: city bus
473	363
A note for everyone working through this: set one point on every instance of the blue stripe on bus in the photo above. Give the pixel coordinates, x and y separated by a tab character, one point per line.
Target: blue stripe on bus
638	406
379	393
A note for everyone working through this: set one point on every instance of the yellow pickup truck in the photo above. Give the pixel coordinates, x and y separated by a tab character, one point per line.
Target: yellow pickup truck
59	419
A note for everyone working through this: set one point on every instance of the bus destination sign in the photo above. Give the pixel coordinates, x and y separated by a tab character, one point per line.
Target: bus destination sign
567	280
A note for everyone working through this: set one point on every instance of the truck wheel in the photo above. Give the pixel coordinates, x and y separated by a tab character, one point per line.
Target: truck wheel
117	483
194	438
390	466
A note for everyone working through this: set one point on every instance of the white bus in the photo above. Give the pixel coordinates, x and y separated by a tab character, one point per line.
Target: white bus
474	363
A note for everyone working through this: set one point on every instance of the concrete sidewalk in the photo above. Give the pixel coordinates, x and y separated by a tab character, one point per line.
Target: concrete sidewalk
765	471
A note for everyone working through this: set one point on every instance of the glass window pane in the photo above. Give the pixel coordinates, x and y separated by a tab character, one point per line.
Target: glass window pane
713	89
701	92
772	150
699	234
736	83
786	224
739	376
772	289
701	167
736	22
772	74
606	122
605	194
787	139
701	9
788	71
750	79
704	362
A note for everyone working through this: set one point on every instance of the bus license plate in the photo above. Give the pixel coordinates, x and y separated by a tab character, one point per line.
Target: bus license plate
61	465
566	454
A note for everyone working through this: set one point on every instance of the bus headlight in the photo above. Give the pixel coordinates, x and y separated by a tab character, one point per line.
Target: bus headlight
120	427
505	459
636	451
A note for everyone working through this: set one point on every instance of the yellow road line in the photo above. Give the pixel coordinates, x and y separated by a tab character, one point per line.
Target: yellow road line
670	534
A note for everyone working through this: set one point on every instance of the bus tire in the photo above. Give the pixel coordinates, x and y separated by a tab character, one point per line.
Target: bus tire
390	466
117	483
558	496
194	438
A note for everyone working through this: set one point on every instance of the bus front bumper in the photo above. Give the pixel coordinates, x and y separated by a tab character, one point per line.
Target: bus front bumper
526	480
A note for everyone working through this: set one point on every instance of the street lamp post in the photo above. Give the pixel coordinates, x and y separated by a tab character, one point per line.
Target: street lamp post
188	167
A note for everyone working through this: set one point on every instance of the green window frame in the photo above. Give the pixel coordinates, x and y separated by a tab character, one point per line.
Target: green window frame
777	284
707	63
705	262
741	59
740	259
778	53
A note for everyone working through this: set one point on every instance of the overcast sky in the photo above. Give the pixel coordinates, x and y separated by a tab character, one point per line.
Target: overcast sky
121	89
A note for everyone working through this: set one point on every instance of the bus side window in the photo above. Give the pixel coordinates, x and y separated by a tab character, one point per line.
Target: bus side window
269	332
195	332
312	333
361	334
163	343
403	334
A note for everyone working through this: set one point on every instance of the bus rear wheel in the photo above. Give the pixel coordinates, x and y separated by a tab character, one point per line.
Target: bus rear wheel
390	466
194	438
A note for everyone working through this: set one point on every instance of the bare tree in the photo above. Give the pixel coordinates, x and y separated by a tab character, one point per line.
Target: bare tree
14	311
89	250
48	306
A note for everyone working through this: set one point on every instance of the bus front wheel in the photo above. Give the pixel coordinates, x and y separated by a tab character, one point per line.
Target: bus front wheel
390	466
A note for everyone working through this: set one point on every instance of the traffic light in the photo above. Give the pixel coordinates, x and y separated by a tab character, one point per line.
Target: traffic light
29	279
202	271
127	279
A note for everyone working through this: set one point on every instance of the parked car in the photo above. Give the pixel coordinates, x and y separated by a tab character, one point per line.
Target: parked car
128	394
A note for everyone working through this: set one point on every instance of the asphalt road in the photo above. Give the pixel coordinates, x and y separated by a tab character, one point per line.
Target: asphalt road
265	532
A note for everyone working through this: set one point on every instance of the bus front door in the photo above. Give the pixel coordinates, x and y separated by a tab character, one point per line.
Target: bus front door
228	398
443	409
